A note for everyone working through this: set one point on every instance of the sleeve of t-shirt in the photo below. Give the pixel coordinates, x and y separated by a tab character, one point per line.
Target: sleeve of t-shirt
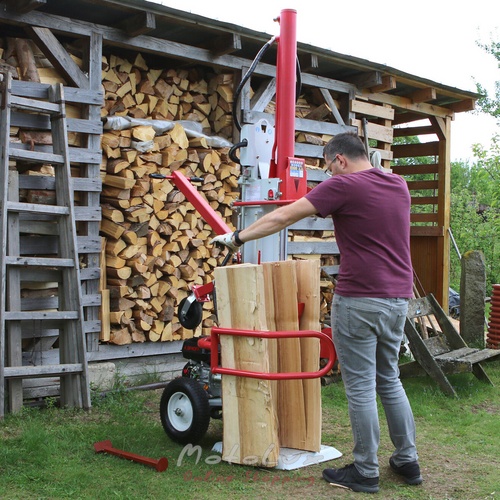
327	197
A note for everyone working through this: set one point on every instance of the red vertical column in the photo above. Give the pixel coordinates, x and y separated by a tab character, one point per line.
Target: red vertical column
285	91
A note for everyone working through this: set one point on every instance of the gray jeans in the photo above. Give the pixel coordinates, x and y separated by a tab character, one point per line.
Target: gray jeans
367	334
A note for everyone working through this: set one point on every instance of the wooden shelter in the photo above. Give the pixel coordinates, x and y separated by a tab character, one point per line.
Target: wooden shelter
101	49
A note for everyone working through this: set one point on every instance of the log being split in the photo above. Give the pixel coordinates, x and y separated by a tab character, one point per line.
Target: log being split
260	416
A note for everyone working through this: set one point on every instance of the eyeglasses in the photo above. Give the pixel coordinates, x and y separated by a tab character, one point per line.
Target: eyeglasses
330	163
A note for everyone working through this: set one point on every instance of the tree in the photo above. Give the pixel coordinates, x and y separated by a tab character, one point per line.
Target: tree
487	104
475	194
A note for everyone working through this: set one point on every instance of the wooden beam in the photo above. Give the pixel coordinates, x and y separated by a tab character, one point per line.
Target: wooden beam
406	103
409	117
331	103
431	231
375	131
420	185
139	24
388	83
440	127
116	37
58	56
263	95
465	105
413	150
24	6
225	44
308	62
431	168
370	109
411	131
367	80
423	95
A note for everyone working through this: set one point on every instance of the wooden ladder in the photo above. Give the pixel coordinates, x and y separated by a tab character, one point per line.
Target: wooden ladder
48	268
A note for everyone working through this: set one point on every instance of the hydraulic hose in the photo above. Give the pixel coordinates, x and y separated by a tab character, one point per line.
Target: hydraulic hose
245	78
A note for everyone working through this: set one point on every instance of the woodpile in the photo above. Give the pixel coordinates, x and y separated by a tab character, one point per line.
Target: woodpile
155	243
133	89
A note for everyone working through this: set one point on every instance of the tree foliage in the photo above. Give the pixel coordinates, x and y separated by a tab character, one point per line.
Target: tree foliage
475	218
490	104
475	193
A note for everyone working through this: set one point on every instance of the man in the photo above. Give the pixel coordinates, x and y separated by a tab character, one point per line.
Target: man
371	214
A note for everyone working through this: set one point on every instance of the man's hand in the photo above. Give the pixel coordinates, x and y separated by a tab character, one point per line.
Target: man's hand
226	240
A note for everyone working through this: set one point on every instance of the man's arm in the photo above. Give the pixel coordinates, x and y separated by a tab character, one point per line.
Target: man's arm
277	220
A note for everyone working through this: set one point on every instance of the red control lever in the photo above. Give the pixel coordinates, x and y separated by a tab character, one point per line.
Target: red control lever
106	447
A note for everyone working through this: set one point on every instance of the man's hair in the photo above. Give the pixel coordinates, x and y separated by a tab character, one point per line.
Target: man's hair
348	144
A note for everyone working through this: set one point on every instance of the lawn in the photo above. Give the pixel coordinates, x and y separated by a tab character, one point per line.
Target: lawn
48	453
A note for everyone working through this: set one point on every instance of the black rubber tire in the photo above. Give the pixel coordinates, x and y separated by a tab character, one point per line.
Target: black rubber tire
184	410
193	317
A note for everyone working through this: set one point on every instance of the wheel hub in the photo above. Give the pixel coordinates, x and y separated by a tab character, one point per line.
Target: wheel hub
180	411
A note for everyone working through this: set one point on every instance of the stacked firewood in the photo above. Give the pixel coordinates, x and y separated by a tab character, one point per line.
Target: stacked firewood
156	243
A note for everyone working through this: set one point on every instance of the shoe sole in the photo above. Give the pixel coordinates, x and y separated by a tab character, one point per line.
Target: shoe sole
356	488
416	480
413	480
353	487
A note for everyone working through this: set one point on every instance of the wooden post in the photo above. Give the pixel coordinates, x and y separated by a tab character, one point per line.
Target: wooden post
250	422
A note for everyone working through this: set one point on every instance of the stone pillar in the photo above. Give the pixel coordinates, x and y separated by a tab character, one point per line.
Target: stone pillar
472	298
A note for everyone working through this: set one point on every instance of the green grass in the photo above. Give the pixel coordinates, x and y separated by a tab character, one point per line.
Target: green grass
48	453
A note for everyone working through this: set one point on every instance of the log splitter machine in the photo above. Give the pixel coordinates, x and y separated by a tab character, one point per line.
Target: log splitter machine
270	176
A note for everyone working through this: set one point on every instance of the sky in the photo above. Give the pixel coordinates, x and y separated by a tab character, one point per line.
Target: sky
433	39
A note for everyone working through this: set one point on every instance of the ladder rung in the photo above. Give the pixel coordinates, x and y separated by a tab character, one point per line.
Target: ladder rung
34	208
39	261
26	104
34	156
40	315
42	370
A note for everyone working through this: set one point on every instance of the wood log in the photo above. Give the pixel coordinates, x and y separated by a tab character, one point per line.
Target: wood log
27	65
309	294
291	409
250	423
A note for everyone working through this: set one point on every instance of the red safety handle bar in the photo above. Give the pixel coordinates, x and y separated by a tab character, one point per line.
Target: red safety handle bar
214	353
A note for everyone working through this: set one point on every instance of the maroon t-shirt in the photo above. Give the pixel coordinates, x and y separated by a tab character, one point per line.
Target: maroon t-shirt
371	215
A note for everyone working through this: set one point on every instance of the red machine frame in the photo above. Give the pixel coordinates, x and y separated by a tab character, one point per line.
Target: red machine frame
292	187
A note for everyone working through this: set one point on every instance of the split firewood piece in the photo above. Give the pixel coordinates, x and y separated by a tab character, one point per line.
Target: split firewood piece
291	409
309	294
250	424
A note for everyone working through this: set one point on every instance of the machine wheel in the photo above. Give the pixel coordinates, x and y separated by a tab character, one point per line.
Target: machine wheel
184	410
191	318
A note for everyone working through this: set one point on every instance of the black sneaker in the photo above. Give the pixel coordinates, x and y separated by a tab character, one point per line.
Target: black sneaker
409	471
349	477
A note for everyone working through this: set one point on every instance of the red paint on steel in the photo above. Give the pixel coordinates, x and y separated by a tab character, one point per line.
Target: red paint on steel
106	447
214	361
261	202
493	335
285	90
201	204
